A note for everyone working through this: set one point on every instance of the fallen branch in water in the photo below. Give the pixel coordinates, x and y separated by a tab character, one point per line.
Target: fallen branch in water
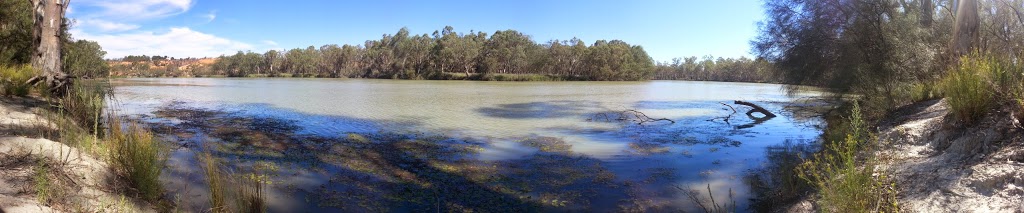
756	108
727	117
640	117
646	118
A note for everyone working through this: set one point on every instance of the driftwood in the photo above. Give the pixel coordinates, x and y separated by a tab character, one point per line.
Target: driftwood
756	108
637	116
727	117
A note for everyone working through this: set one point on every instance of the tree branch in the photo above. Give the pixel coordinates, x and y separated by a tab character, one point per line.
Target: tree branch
756	108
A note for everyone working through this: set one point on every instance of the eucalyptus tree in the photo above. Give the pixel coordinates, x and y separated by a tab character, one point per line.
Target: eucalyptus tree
331	60
84	58
506	51
302	62
272	59
47	34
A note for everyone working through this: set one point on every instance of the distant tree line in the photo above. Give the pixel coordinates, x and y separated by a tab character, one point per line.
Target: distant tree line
446	55
708	68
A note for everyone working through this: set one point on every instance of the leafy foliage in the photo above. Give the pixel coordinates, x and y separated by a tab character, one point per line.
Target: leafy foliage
15	32
84	59
13	80
866	47
709	68
967	90
443	55
845	183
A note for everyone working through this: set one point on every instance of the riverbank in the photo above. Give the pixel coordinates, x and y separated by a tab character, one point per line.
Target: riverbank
926	161
940	165
42	175
443	76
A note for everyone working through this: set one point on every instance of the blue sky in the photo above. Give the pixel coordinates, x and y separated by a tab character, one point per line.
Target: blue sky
195	28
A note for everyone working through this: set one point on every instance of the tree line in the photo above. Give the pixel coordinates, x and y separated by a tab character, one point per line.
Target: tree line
709	68
445	54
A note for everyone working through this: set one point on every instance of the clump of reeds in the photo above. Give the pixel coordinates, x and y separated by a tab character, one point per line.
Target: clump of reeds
137	156
247	189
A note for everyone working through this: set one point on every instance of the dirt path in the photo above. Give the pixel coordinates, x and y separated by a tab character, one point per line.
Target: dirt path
941	166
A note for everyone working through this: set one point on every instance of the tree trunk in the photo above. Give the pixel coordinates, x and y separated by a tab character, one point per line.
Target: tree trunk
48	18
965	31
927	10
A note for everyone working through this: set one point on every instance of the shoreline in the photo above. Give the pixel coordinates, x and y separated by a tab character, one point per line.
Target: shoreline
42	175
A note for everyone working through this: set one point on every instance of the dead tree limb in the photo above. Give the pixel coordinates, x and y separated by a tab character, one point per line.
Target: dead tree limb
756	108
730	107
643	118
727	117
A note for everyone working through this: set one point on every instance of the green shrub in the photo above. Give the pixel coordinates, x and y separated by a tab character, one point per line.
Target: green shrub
967	90
137	156
13	80
842	185
924	91
84	104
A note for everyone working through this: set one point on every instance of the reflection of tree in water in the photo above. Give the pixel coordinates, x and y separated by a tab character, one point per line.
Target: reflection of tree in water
776	183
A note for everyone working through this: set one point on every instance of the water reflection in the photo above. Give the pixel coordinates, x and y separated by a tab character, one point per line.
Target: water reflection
406	145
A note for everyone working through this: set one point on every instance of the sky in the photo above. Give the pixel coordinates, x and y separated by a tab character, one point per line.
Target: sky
199	28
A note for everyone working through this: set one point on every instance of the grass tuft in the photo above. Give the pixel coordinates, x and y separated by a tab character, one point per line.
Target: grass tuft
247	189
42	182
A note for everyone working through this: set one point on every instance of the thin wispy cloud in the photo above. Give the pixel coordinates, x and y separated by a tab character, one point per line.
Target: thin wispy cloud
212	15
177	42
136	9
106	26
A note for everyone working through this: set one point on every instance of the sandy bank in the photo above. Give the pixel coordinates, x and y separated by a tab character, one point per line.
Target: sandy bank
75	181
942	166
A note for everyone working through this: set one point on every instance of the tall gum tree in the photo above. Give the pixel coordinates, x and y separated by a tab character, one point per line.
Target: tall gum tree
48	19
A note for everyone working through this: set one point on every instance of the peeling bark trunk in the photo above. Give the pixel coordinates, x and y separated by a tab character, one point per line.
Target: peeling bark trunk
48	18
965	31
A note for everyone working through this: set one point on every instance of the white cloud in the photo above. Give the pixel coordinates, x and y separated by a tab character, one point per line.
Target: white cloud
106	26
137	9
177	42
210	16
269	43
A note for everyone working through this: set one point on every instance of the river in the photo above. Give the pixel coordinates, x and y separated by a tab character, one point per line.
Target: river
507	124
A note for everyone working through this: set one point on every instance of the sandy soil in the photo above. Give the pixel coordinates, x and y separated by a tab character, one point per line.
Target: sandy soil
940	165
77	182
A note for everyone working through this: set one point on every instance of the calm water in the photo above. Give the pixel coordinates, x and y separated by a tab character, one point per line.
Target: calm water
698	151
